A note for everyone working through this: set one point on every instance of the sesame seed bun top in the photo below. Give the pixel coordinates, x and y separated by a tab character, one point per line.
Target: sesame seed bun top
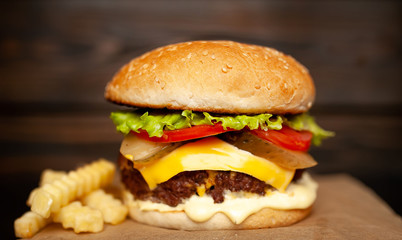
214	76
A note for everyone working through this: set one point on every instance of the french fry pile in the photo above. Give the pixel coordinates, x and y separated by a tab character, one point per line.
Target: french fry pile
60	198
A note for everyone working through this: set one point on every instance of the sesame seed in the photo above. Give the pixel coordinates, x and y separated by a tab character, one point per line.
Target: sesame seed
205	52
225	70
282	60
213	57
160	83
173	48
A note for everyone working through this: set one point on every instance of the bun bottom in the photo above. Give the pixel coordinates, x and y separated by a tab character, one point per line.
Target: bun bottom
265	218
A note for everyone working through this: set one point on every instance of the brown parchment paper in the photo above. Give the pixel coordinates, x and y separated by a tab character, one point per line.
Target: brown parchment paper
345	209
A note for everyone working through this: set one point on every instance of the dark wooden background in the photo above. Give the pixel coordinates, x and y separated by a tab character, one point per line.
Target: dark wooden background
57	56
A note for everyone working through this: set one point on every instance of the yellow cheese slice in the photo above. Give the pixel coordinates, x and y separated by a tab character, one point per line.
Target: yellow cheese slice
214	154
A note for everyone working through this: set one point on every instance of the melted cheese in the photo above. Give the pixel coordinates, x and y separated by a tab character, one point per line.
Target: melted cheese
237	206
214	154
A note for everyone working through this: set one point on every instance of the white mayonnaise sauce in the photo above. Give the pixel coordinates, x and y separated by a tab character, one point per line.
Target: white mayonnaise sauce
299	195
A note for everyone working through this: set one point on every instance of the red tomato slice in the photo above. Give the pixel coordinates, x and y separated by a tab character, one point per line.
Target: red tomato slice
185	133
287	138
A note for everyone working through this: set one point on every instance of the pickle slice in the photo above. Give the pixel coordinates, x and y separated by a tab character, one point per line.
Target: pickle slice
140	150
283	157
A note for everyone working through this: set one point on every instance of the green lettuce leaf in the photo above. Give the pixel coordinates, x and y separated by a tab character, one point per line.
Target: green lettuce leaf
306	122
155	123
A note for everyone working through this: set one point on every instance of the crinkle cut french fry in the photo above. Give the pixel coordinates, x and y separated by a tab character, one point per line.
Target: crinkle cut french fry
56	195
88	182
104	167
51	197
29	224
79	218
96	178
64	200
31	196
80	183
49	176
72	187
42	203
113	210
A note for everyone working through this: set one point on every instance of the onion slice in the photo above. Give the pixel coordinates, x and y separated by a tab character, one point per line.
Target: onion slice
140	150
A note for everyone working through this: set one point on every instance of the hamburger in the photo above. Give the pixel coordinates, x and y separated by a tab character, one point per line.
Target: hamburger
216	136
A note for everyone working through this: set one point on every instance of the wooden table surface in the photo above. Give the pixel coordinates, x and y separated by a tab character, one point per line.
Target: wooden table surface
57	56
338	213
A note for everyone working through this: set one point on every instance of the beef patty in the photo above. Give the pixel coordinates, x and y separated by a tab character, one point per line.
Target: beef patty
186	184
